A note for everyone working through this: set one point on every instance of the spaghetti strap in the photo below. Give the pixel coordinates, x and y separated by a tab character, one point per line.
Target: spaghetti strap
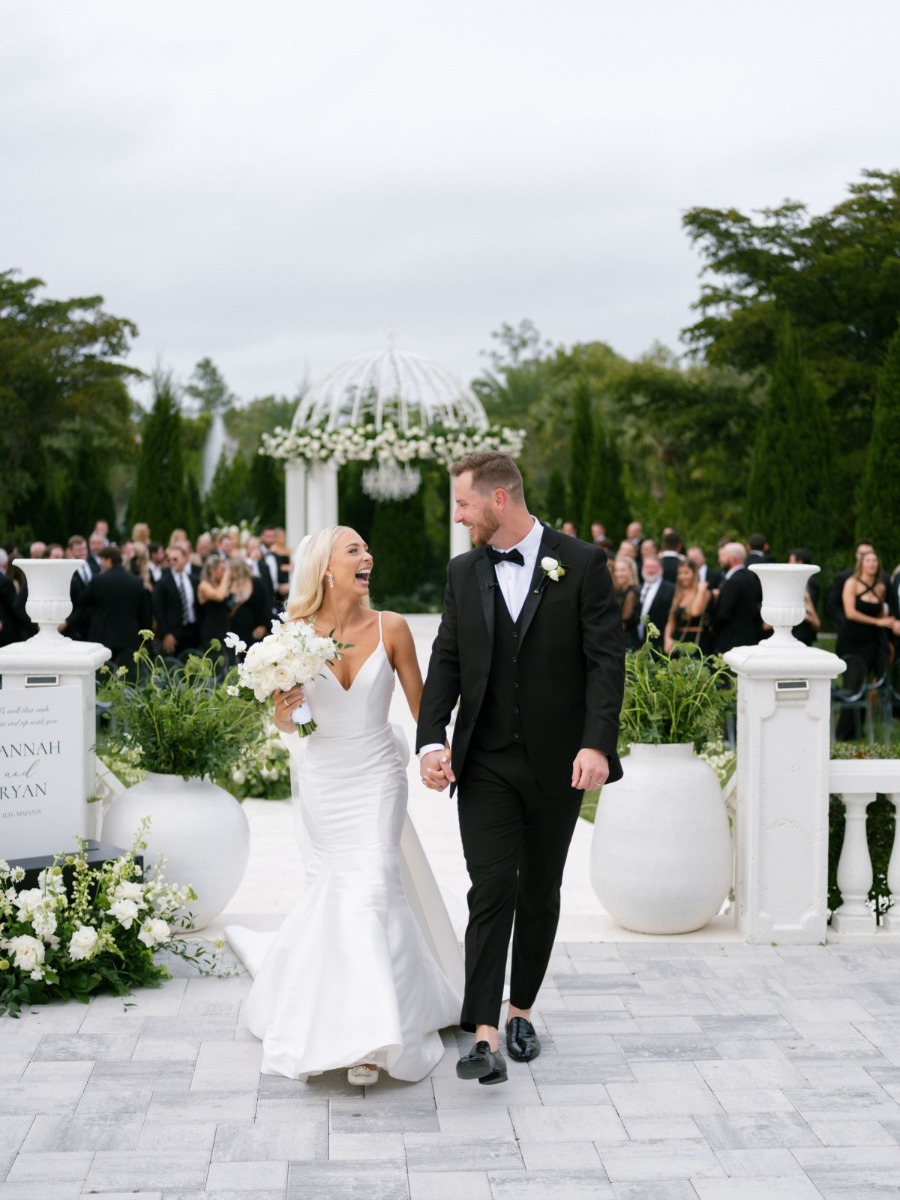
380	633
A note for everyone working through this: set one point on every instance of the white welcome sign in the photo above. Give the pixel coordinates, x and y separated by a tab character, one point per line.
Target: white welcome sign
42	805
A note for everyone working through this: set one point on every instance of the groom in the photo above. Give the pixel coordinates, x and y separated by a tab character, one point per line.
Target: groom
531	645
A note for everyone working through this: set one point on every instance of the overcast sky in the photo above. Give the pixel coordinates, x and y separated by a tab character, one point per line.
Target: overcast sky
283	186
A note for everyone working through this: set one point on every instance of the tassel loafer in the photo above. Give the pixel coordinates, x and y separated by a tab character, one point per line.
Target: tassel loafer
521	1040
482	1063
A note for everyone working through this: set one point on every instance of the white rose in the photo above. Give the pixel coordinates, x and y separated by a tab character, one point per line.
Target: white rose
29	901
548	564
28	952
83	943
554	575
283	678
44	923
125	912
153	932
130	891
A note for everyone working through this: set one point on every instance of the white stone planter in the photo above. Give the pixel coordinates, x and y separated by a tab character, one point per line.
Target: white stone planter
199	827
661	859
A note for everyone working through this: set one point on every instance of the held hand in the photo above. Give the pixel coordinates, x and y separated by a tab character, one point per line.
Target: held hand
435	770
590	769
285	703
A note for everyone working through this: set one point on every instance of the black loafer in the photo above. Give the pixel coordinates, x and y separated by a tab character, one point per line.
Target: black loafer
521	1040
482	1063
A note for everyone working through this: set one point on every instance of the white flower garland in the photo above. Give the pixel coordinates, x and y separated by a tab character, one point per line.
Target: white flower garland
365	443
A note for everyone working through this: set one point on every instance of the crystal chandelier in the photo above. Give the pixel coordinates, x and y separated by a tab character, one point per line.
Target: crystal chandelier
390	481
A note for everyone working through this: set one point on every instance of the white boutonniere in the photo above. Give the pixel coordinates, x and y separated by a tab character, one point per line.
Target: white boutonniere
552	568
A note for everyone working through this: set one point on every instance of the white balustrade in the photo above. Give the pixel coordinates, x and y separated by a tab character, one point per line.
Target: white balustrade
857	782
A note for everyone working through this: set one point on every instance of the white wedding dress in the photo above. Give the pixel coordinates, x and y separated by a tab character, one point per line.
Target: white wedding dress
353	974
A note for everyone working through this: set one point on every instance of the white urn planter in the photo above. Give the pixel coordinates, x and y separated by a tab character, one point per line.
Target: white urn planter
661	857
199	827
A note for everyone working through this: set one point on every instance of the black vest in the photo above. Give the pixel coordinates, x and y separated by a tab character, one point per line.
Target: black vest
499	722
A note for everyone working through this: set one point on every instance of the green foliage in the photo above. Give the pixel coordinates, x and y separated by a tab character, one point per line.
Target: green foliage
790	494
230	496
398	547
605	495
581	440
880	826
179	719
86	930
836	277
160	496
878	505
555	503
208	389
266	487
64	401
682	697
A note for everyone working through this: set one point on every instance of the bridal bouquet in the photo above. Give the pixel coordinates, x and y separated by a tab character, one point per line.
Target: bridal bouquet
293	653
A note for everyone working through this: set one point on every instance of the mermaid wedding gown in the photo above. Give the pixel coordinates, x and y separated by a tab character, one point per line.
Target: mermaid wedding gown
353	974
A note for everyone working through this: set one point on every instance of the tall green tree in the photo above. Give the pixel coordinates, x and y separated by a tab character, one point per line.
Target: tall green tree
160	496
230	498
605	499
208	390
555	501
63	396
790	496
581	440
878	507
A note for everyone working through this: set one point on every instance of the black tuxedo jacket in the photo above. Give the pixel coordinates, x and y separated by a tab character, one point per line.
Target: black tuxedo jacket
10	628
736	618
571	660
118	607
670	564
168	613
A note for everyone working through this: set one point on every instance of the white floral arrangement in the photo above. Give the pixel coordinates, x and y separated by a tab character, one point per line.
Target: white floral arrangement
291	655
87	929
265	771
365	443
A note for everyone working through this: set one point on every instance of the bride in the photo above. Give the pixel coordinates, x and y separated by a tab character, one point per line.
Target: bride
350	979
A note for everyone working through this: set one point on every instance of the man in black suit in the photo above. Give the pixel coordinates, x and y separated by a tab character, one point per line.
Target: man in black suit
656	601
671	554
711	576
175	605
758	550
117	607
531	644
10	626
736	604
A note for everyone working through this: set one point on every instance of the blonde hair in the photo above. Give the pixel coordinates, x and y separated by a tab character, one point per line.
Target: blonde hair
631	566
309	591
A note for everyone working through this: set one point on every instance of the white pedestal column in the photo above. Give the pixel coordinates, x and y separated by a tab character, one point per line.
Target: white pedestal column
295	502
781	815
321	496
48	768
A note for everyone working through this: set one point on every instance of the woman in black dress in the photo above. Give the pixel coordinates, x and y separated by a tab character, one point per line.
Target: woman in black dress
628	595
867	624
688	616
214	600
250	615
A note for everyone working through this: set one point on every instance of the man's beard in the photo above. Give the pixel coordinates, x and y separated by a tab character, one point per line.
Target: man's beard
485	529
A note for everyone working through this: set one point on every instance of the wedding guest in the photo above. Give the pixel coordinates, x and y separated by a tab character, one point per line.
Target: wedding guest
250	616
214	600
671	554
656	600
867	626
598	532
688	618
628	594
37	550
55	550
711	576
174	605
10	629
117	606
568	528
736	602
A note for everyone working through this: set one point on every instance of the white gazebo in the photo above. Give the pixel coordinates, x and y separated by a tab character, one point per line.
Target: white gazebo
389	409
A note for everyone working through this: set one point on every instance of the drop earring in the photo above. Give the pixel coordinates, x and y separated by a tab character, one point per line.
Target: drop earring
330	579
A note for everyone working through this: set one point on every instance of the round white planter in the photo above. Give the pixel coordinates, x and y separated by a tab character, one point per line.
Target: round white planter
661	859
199	827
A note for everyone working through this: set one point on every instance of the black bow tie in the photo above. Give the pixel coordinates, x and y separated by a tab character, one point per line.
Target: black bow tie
510	556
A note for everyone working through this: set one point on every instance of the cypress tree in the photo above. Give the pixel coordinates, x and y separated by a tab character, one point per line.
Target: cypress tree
267	489
878	502
580	446
555	504
792	471
605	497
159	496
399	548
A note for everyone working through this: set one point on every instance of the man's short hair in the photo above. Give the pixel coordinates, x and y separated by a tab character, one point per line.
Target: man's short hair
76	539
757	541
490	470
671	540
112	553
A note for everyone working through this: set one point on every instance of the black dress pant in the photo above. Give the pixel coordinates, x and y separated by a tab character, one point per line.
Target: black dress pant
515	838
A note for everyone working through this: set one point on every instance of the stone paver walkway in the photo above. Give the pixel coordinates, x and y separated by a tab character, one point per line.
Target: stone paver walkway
670	1071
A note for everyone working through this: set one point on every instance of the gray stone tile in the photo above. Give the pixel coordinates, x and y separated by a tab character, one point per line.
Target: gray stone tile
202	1106
653	1129
335	1181
657	1189
90	1047
793	1187
161	1075
595	1068
550	1185
759	1131
450	1092
199	1029
297	1141
107	1100
112	1170
57	1072
367	1147
461	1152
563	1156
247	1178
491	1122
346	1117
729	1074
69	1190
754	1100
48	1167
773	1028
176	1136
866	1165
50	1098
680	1159
755	1163
455	1185
110	1132
567	1123
573	1093
662	1099
675	1046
